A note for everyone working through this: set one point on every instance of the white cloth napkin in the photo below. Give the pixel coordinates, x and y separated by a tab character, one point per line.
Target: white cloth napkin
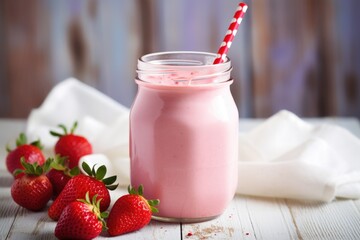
287	157
282	157
104	122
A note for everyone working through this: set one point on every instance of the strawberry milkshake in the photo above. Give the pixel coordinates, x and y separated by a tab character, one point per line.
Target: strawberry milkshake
184	135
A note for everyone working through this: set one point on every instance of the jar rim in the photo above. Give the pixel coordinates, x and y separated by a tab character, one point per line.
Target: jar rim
166	58
182	67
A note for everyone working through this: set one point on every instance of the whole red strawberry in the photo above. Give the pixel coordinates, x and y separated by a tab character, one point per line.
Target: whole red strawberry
78	186
60	174
33	190
31	153
71	145
131	212
81	219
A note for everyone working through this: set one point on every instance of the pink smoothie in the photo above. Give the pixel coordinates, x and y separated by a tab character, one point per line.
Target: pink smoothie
183	147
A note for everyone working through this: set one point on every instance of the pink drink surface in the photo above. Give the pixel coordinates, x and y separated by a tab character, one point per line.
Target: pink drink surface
183	147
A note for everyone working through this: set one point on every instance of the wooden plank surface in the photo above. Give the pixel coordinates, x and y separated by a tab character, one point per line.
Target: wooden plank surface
337	220
245	218
8	209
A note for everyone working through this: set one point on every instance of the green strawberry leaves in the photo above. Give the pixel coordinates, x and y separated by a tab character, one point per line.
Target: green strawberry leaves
33	168
65	131
74	171
109	183
73	128
22	140
99	174
87	169
61	164
94	203
140	191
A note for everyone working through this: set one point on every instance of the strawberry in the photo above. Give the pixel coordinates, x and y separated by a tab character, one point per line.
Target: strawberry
78	186
60	174
131	212
31	153
81	219
71	145
32	190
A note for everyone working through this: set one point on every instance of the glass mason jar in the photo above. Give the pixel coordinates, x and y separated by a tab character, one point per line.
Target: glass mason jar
184	135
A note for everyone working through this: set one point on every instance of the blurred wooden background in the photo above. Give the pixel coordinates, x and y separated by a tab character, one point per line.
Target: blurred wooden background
300	55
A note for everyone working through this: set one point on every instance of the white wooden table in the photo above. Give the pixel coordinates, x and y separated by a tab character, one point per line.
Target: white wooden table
245	218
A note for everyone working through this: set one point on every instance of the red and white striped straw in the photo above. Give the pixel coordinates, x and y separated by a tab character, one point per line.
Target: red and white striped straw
231	32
